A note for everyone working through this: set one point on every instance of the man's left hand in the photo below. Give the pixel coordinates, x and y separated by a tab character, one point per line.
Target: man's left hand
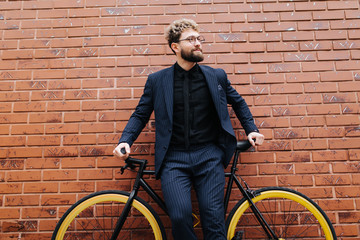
259	138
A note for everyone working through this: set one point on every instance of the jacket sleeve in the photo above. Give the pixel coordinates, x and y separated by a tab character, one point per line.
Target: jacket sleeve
141	115
239	106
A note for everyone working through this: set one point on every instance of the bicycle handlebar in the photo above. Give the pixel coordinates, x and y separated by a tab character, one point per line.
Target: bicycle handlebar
131	162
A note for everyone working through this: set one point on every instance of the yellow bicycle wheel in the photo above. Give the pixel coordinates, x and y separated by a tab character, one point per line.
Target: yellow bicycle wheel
290	214
95	216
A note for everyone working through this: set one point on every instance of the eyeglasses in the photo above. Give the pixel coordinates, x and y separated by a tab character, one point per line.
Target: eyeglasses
192	39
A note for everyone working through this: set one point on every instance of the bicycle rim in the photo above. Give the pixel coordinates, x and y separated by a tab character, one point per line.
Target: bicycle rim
290	214
95	216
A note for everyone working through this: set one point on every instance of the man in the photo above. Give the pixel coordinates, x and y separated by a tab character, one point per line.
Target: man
194	136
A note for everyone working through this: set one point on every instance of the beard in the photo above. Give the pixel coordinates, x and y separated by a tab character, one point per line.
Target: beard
192	56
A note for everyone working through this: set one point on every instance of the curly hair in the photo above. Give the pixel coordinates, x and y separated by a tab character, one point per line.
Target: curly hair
177	27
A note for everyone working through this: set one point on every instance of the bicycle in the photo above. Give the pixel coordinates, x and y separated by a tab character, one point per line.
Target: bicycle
267	213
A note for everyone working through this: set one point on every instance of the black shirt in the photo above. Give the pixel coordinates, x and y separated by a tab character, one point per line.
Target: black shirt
195	120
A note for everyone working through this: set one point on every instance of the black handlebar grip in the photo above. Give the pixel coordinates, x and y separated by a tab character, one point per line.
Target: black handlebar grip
123	151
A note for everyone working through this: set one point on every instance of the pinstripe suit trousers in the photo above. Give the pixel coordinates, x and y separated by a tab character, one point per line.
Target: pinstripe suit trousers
202	168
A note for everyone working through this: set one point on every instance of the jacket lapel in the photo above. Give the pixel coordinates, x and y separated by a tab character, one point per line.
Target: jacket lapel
168	87
214	87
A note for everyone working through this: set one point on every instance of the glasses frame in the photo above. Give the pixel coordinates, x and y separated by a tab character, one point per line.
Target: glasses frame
193	39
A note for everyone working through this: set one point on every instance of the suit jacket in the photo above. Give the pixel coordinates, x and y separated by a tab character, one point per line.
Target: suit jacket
158	97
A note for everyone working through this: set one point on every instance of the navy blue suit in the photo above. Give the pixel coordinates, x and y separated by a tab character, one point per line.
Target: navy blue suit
158	97
201	167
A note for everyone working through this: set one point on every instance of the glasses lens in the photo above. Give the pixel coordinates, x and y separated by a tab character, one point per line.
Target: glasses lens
201	39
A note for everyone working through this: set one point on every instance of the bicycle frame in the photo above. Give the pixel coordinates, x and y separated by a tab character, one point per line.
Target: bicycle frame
141	182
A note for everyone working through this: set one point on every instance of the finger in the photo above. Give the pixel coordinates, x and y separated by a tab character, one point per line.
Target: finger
251	141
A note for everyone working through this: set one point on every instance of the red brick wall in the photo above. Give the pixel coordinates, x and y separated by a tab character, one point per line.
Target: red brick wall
72	72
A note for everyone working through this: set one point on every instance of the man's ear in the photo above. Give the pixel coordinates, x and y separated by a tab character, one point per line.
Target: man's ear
175	47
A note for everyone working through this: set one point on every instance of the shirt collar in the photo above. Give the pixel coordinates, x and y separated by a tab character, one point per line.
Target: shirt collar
194	69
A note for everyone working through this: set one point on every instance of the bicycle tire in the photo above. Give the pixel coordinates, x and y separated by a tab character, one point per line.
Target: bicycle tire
94	217
289	213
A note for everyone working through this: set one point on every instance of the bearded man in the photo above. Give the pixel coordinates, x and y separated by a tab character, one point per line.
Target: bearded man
195	140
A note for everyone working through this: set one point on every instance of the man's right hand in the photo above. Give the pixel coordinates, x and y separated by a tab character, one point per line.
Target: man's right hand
118	153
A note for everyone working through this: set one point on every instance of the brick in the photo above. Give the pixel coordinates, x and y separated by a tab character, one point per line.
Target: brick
280	27
302	77
270	100
227	18
262	17
264	37
29	107
293	156
316	46
310	6
98	105
22	200
248	47
291	181
352	131
332	180
350	108
343	143
64	84
343	5
317	192
17	54
317	66
79	140
40	187
270	123
320	87
75	163
45	118
42	163
321	156
279	145
322	109
10	188
43	140
334	56
339	98
269	57
310	144
250	68
56	199
69	187
348	65
288	111
331	34
299	57
284	67
298	36
318	25
80	117
307	121
286	88
338	120
290	133
247	27
59	175
96	174
311	168
282	47
295	16
267	78
9	213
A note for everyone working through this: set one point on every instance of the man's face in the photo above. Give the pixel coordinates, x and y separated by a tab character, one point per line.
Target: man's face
191	51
